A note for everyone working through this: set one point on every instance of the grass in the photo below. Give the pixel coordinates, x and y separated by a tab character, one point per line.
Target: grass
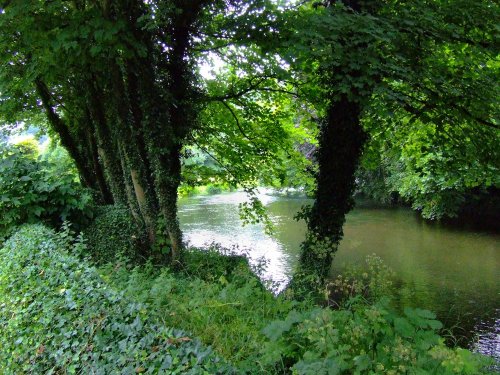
216	297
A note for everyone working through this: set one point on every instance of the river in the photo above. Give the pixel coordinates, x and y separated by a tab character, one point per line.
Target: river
453	272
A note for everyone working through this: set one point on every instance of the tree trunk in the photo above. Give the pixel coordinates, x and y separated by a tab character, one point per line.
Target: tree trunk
341	143
167	182
67	140
107	146
98	170
134	164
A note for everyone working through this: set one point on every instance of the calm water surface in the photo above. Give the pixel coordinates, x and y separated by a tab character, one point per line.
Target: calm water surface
452	272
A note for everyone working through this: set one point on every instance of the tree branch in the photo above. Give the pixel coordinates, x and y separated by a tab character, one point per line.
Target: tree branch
236	120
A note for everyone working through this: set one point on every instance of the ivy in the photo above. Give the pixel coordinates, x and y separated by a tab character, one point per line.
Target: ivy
57	315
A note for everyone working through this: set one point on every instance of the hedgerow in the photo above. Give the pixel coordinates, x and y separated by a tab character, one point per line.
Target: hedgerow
57	316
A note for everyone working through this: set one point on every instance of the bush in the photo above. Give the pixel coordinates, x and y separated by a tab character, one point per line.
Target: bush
112	235
33	190
360	332
57	316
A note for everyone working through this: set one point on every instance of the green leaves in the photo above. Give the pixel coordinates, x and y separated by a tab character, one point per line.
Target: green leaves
33	189
276	329
56	313
365	339
423	318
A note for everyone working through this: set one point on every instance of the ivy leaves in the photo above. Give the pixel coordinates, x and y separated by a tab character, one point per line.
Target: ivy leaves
57	314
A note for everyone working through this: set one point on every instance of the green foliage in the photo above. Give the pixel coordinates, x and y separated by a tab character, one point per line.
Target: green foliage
214	189
112	235
215	263
253	211
186	190
426	76
371	183
372	282
59	160
57	316
365	338
426	165
215	296
36	190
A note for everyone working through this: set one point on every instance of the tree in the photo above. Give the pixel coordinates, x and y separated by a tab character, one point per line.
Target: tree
93	66
117	81
433	60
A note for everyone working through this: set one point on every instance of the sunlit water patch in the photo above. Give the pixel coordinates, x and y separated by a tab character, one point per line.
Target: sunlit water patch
215	219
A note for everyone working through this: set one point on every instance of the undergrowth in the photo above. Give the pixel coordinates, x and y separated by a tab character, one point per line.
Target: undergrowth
57	316
223	303
216	297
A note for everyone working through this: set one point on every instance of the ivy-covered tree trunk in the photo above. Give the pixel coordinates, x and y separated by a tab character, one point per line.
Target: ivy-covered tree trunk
341	142
107	150
340	146
168	179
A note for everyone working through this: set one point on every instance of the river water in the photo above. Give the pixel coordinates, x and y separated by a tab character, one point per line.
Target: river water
453	272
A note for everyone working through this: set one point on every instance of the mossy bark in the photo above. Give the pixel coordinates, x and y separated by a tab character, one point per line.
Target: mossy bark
341	143
107	145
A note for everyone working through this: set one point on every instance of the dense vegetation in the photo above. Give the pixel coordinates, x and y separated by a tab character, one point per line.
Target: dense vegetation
426	166
39	188
58	315
396	99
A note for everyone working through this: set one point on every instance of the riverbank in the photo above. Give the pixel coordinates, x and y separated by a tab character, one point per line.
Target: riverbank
451	271
59	314
210	189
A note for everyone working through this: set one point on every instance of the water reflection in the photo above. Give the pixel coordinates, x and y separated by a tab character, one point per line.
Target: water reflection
452	272
209	219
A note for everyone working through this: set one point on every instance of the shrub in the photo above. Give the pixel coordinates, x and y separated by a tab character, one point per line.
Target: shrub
57	316
112	235
32	190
